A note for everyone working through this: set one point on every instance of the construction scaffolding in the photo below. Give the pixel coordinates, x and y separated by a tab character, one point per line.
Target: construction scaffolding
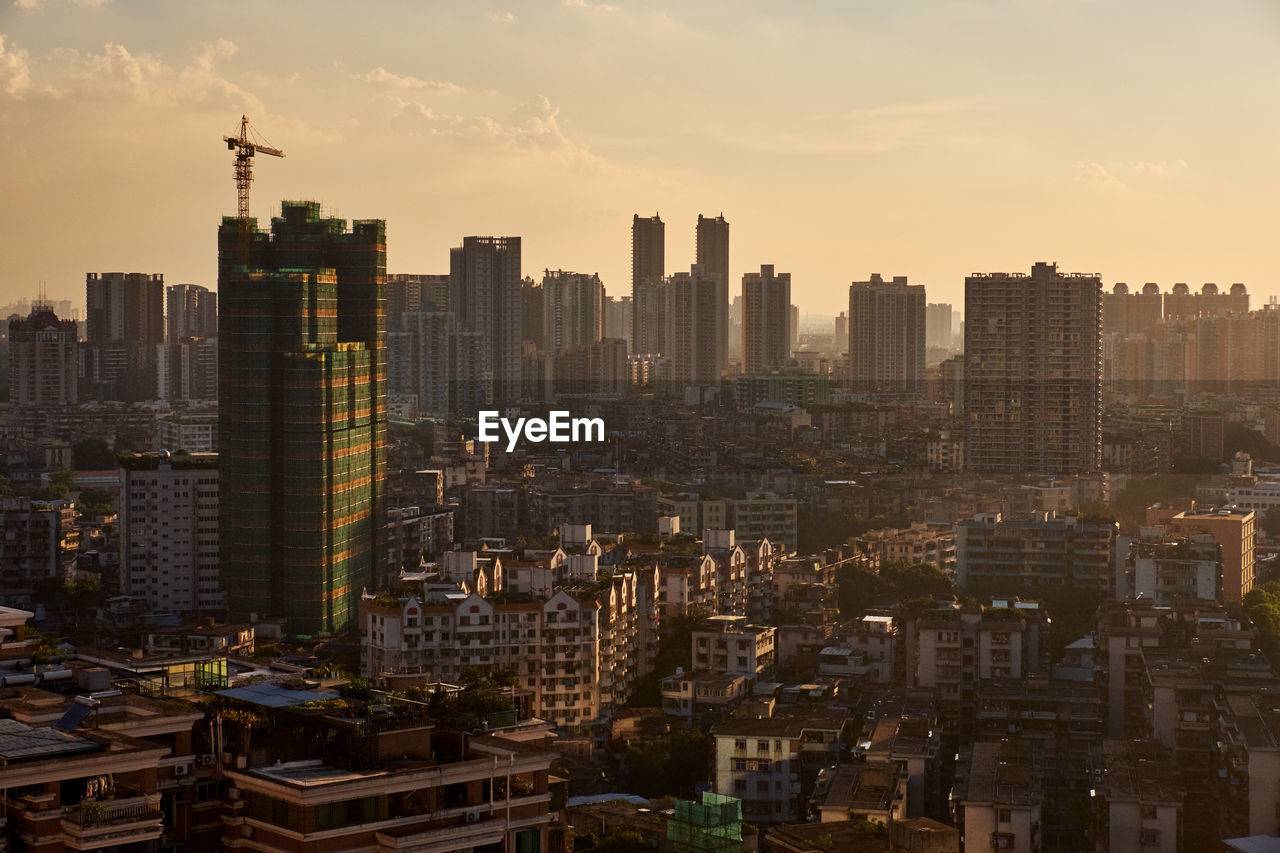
712	826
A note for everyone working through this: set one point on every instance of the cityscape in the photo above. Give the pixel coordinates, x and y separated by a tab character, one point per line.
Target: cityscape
350	545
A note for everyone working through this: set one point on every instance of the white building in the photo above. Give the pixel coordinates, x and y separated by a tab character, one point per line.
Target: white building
169	532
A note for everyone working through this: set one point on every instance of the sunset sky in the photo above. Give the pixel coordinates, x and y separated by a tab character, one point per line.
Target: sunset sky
928	138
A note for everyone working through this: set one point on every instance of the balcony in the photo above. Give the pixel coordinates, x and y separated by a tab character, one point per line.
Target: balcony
112	823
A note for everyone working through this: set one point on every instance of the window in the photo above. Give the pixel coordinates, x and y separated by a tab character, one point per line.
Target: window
762	746
739	786
1001	841
1148	812
762	786
1149	836
1005	816
740	743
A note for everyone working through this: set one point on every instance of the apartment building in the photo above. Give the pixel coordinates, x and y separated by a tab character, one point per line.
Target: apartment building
39	544
580	650
1138	804
869	790
920	543
771	764
998	797
1168	569
954	651
105	771
1033	372
418	789
1233	527
1043	549
727	644
868	653
169	532
703	696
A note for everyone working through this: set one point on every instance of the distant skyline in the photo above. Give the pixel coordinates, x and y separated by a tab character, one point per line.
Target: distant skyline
928	138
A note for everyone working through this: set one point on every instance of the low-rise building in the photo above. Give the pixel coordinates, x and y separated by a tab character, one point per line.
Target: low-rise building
998	797
771	764
727	644
865	790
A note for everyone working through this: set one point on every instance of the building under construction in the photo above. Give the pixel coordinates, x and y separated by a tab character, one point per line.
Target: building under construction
302	428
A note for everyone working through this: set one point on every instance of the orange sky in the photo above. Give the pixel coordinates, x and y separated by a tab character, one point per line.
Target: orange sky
928	138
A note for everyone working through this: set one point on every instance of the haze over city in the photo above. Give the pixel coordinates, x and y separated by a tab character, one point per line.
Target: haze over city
1132	139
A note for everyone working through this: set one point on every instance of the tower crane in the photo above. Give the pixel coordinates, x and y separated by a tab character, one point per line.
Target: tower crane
246	145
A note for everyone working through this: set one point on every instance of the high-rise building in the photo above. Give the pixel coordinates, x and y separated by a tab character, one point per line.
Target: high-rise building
766	320
692	318
43	354
648	267
572	309
486	299
532	312
187	369
937	325
842	331
407	292
302	432
618	318
169	532
432	362
192	312
886	335
1033	372
712	242
125	324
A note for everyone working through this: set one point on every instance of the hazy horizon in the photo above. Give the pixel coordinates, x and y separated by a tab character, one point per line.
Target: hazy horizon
929	139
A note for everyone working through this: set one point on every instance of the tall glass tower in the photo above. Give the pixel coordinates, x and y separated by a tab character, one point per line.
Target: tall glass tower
302	429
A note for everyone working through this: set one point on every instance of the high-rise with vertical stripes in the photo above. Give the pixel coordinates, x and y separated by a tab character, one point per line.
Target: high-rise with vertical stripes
302	433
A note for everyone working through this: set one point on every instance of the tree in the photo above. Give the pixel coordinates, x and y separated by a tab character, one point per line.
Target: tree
94	502
671	765
92	454
1271	522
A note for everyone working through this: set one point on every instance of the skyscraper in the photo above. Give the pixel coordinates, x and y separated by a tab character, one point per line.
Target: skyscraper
766	320
42	360
691	309
712	240
886	335
302	429
192	312
937	324
485	298
572	309
1033	372
648	266
618	319
125	325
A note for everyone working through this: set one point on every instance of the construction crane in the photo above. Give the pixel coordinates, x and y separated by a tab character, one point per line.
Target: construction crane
246	145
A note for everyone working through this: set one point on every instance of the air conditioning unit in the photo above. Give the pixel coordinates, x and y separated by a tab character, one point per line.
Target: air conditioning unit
473	816
181	769
207	760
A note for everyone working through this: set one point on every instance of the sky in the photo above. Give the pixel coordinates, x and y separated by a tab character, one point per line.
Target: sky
1137	139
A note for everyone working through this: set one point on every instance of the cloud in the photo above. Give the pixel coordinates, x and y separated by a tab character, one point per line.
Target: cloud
15	75
532	127
35	5
119	75
1098	176
1120	177
502	17
382	77
589	7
